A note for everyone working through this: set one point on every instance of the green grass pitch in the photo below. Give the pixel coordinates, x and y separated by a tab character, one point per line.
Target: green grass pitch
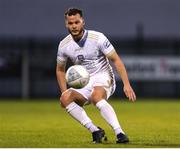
43	123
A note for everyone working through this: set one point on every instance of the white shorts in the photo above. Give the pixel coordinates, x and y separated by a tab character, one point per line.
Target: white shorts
101	79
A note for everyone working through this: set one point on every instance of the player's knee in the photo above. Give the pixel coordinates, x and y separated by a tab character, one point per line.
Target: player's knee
66	98
97	95
61	102
95	98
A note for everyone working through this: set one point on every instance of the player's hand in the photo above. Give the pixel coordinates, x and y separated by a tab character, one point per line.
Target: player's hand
130	94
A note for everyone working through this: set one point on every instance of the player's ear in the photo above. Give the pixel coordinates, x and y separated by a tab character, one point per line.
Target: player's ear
83	21
66	23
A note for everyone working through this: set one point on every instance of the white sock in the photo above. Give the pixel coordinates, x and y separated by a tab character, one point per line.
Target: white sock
91	127
109	115
80	115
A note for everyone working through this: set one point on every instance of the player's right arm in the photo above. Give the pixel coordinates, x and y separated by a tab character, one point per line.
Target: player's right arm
60	68
60	74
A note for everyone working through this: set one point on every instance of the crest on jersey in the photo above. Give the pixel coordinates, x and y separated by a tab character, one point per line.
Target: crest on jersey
80	57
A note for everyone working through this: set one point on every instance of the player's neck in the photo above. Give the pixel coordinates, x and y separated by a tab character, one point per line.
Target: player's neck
79	37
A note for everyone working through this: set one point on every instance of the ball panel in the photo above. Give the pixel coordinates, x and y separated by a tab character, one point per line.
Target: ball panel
72	75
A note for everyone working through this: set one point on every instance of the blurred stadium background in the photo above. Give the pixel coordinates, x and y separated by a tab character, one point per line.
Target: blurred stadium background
146	34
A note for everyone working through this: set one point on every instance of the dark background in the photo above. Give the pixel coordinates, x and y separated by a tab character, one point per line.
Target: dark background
30	31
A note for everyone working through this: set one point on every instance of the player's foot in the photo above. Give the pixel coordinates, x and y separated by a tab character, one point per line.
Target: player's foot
99	135
122	138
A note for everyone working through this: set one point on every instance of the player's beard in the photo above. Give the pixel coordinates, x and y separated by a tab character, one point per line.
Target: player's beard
77	36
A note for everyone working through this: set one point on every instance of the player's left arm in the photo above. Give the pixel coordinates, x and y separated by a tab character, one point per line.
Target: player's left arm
115	58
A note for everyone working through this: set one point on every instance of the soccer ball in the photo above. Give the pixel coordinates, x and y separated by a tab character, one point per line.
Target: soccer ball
77	76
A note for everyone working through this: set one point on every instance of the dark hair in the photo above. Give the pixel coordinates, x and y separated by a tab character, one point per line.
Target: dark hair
73	11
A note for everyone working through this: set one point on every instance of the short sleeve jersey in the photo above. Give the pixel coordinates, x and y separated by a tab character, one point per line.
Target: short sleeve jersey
91	52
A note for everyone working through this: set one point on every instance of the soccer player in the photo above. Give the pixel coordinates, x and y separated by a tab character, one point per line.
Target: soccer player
92	50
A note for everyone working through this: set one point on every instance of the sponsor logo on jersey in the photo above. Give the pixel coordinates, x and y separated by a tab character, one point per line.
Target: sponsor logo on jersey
106	44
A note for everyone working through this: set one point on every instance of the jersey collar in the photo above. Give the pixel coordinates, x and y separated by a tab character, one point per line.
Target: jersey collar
83	39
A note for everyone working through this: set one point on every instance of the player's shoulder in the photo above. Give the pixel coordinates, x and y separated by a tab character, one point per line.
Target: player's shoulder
66	41
94	34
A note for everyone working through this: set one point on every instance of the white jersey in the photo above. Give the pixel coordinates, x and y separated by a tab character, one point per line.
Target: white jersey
91	52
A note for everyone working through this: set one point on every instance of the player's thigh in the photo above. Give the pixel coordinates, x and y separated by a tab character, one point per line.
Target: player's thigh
80	99
71	95
98	93
103	87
